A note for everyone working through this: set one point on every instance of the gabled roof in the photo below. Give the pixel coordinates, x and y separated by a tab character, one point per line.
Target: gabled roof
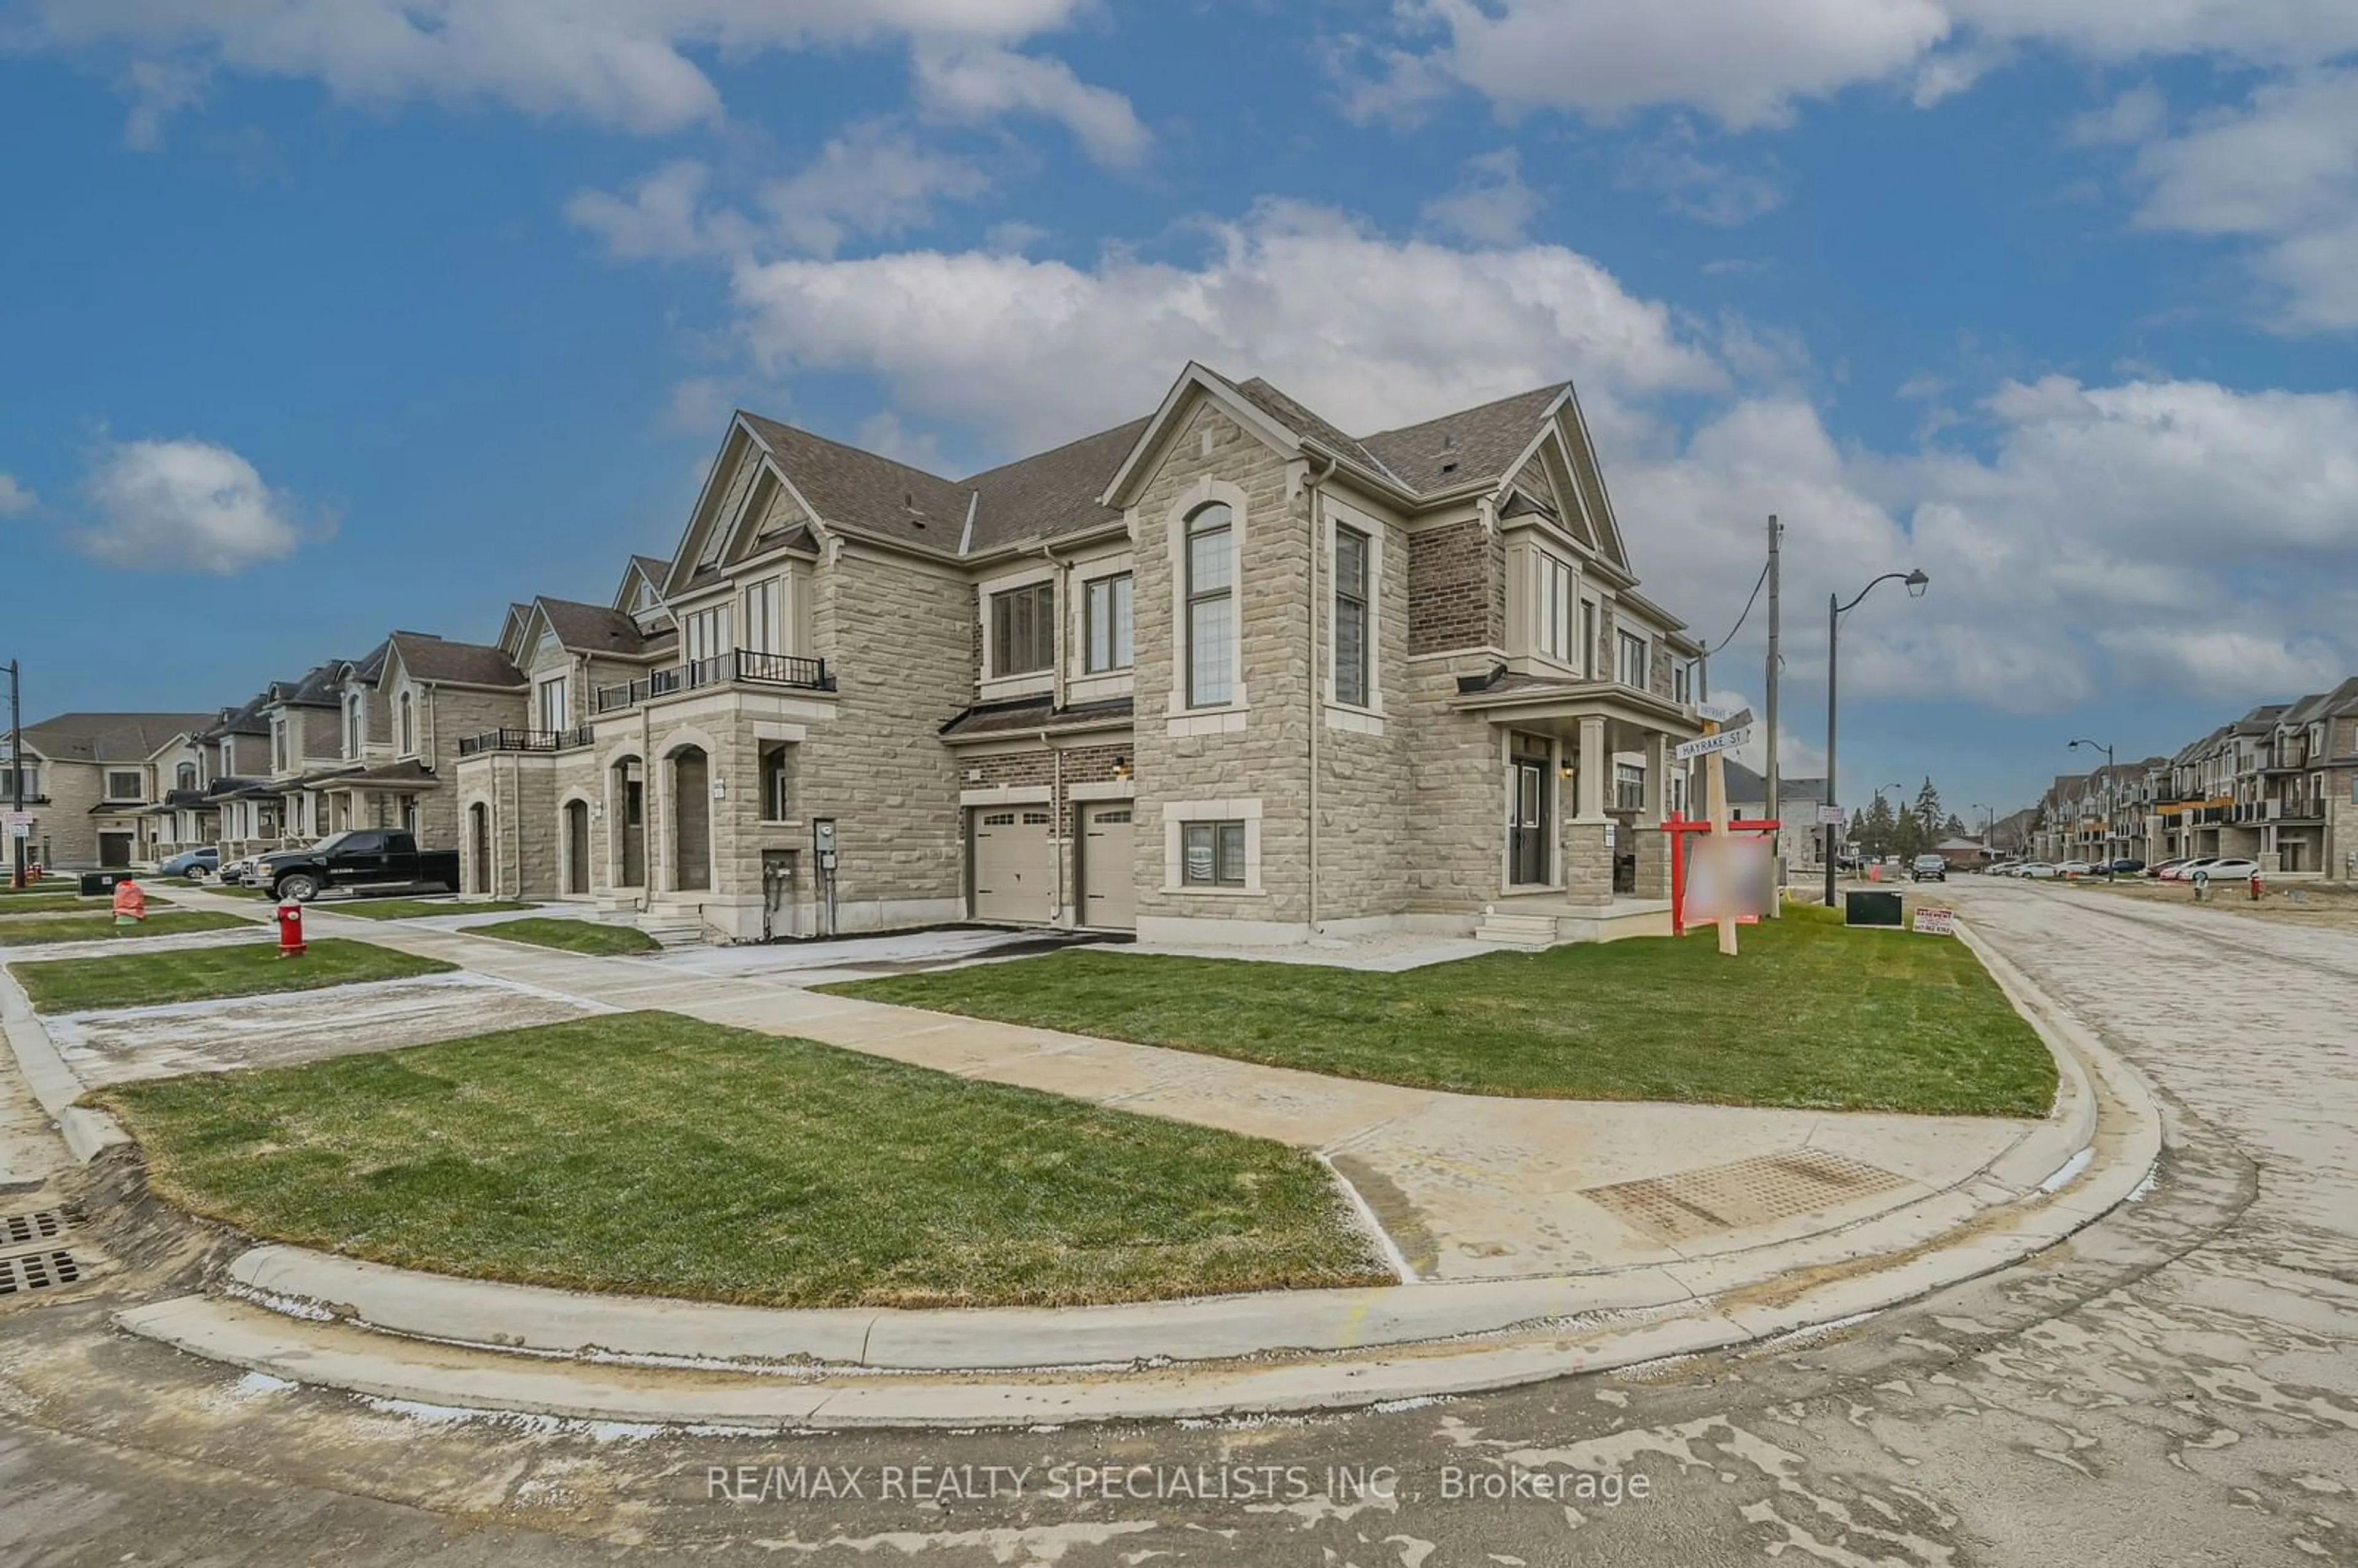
319	687
1055	492
244	720
594	628
439	660
110	737
1476	443
863	491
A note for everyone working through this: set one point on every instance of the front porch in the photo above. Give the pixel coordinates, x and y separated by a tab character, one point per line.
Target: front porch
1588	783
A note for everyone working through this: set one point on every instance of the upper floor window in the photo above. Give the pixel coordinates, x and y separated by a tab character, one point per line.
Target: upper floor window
32	781
128	785
1586	659
186	775
1557	635
765	628
1351	617
1632	671
355	726
409	726
1211	607
705	634
1023	629
550	695
1106	615
1681	681
278	745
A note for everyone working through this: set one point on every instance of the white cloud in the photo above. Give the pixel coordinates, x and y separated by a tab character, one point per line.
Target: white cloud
660	218
1696	187
2282	172
1747	64
1493	207
970	82
624	63
871	181
14	499
184	505
2135	115
1368	331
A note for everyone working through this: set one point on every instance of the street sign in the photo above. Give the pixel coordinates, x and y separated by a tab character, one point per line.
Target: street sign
18	818
1718	712
20	830
1725	740
1830	817
1933	921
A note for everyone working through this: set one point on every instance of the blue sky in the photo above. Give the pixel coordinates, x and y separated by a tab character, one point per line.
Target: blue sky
322	319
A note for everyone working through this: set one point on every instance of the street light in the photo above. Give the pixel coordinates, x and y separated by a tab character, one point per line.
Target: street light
1989	830
1836	609
2111	784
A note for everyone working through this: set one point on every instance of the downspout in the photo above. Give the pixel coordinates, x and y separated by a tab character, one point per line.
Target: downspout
1056	810
1062	603
1311	483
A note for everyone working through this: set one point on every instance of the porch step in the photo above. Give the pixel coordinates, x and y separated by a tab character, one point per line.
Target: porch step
1516	930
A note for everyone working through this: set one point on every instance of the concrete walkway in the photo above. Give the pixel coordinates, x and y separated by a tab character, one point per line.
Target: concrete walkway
1466	1187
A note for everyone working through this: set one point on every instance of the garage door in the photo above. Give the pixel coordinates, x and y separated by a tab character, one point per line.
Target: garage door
1014	864
1109	884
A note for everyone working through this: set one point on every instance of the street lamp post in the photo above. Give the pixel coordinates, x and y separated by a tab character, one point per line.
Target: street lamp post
1836	609
1989	830
2111	785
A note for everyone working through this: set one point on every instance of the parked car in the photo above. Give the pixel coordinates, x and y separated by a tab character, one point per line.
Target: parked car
2038	871
236	871
2073	868
192	864
364	858
2185	869
1929	869
2126	866
2161	871
2227	869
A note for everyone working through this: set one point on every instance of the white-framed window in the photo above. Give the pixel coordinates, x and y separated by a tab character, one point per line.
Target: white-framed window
408	715
355	725
1212	854
549	705
32	776
1108	617
1681	681
775	796
1353	576
185	776
1632	670
1211	606
126	785
1586	661
1557	637
765	630
1023	629
705	634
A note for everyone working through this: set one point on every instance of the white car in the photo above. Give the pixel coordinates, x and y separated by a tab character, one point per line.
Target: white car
2075	869
2184	871
2230	868
2037	870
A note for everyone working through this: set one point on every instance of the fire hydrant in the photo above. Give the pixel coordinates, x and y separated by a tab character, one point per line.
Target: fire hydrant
290	930
2256	885
130	903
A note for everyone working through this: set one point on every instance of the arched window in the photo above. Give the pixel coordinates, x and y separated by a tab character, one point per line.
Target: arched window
1211	606
187	775
408	727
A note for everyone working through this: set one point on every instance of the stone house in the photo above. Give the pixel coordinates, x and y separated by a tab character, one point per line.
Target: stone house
1220	672
93	784
407	712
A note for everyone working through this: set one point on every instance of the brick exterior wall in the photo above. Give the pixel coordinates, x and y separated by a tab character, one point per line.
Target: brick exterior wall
1451	597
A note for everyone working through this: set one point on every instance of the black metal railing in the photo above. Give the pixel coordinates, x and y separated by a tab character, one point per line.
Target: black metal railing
739	666
507	739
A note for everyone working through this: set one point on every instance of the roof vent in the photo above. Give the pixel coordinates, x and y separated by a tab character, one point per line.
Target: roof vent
1448	442
1450	467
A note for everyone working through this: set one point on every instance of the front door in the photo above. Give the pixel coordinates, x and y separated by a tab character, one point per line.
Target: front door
692	819
1527	821
577	847
115	850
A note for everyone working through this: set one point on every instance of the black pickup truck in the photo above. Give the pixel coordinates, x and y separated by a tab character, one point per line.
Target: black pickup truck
365	858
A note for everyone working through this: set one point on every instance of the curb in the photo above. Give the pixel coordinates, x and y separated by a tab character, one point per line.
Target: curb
88	1134
389	1334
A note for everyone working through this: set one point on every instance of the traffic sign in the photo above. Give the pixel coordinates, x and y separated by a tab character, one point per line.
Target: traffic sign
1725	740
1830	817
20	830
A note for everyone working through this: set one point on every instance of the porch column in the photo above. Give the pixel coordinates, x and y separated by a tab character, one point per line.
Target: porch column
1593	765
1587	856
1654	845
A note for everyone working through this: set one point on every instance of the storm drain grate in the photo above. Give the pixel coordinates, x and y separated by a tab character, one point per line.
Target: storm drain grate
38	1271
20	1229
1762	1190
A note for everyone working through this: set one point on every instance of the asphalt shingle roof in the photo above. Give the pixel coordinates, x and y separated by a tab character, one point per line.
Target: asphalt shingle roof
593	628
1481	442
458	664
109	737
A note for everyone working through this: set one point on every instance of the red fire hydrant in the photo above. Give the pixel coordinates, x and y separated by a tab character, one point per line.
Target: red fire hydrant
2256	885
290	930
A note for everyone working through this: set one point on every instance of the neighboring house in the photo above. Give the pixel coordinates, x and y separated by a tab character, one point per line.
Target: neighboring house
1801	840
1963	854
408	714
305	722
236	748
1221	673
92	782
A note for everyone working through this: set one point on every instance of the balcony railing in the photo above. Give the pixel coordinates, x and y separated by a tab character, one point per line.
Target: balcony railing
739	667
505	739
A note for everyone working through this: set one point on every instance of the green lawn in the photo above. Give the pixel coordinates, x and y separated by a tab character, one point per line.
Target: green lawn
1811	1015
144	980
574	936
415	908
651	1153
42	888
236	889
87	927
59	903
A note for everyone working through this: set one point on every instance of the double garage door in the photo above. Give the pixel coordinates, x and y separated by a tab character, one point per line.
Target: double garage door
1013	852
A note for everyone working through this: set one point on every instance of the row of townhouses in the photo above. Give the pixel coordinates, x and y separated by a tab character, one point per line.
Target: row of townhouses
1219	672
2278	785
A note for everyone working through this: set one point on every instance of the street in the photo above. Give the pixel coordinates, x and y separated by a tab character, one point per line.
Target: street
2178	1384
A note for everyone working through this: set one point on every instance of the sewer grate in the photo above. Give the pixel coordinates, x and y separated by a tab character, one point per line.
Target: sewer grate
21	1230
38	1271
1762	1190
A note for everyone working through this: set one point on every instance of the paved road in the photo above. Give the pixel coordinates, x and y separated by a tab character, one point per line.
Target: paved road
2177	1386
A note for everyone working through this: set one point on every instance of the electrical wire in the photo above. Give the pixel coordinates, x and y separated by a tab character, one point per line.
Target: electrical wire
1740	620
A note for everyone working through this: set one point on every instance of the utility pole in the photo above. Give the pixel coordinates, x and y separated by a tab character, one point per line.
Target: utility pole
16	777
1776	801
